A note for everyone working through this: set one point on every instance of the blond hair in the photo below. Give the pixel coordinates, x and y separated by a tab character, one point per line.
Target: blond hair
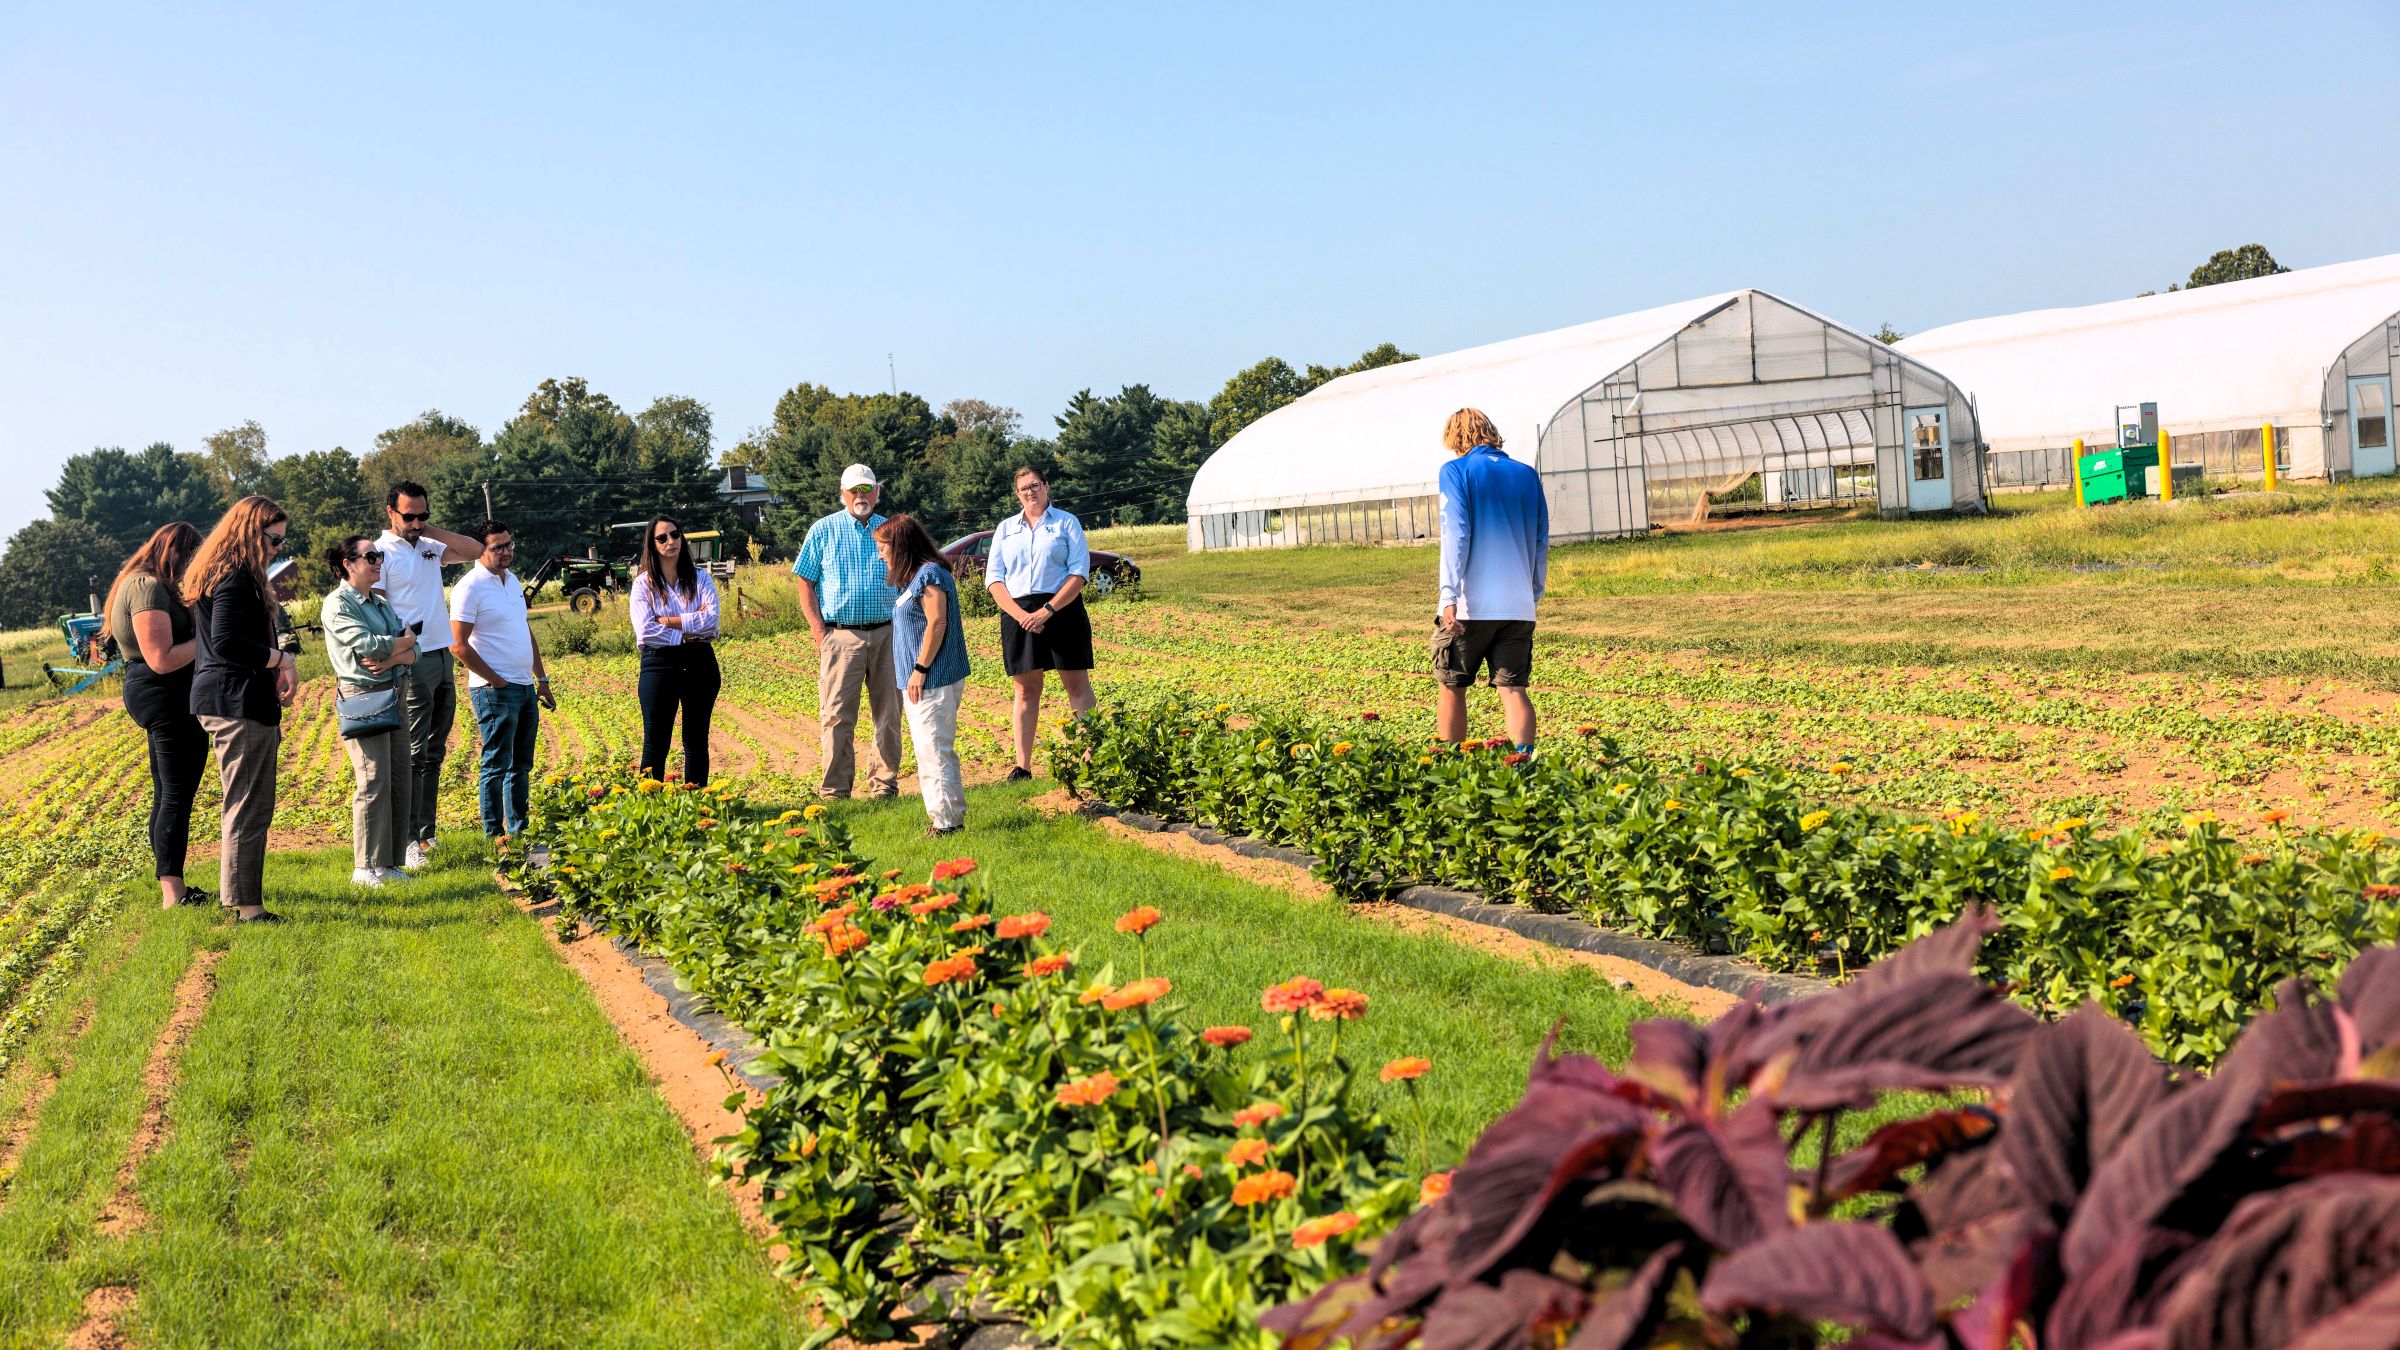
237	544
1468	428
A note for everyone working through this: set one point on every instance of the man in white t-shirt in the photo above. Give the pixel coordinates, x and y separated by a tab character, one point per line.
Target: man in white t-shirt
414	552
506	684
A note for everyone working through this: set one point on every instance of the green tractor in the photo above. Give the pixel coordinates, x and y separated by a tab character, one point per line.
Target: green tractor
583	581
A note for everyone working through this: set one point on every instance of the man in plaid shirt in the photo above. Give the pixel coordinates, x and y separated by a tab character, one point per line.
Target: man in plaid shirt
848	601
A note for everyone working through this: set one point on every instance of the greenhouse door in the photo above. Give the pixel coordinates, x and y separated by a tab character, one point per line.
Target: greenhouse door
1928	458
2370	426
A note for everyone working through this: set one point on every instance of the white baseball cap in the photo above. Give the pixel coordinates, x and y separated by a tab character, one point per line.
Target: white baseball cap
858	476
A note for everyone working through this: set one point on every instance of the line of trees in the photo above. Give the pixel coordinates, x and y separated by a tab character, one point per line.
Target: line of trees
572	462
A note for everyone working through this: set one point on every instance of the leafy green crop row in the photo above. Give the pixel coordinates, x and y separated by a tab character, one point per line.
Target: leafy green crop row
2186	935
953	1096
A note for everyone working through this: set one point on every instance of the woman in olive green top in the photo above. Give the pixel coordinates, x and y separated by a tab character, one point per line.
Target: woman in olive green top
153	630
368	644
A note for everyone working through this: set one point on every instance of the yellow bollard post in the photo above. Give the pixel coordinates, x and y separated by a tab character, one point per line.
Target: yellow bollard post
2075	466
2166	465
2267	434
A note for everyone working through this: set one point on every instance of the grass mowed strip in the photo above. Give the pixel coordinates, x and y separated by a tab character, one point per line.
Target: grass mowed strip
401	1122
1478	1017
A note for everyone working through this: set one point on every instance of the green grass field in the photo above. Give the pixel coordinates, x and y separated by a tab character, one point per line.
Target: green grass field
403	1121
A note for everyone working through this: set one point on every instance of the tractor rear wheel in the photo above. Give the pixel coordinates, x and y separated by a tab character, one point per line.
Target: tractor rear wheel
584	600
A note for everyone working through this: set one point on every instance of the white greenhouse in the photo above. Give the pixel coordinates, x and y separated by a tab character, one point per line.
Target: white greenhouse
2310	352
1632	421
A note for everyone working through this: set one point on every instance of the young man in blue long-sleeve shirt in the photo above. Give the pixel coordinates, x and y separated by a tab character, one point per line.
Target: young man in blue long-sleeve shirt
1495	564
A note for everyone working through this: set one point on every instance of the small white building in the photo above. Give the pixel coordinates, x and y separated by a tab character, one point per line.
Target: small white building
2310	352
1631	421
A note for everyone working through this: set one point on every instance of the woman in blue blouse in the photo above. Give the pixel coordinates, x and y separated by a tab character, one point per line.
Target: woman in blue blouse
1038	568
929	659
675	623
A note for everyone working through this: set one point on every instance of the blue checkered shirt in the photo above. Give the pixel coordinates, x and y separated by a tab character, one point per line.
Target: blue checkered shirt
839	556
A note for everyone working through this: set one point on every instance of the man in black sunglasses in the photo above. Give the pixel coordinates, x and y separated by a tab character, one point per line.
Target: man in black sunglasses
414	553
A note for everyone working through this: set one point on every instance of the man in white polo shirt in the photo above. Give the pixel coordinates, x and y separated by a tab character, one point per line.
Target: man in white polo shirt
414	552
506	684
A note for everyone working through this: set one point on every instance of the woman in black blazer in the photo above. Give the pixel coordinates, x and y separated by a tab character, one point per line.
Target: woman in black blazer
241	683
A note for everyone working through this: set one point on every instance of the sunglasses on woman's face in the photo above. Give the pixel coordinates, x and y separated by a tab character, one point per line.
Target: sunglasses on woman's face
667	536
275	537
373	555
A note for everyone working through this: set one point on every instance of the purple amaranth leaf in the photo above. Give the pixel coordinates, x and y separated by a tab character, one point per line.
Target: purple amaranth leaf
1903	1144
2370	994
2365	1325
1855	1274
2177	1143
2289	1260
2120	1293
1626	1316
2078	1094
1728	1177
1930	1033
1477	1316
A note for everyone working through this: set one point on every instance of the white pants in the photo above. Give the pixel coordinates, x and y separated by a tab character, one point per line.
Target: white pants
933	731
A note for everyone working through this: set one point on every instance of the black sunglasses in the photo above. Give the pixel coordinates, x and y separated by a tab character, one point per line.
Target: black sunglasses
413	517
371	555
503	546
276	539
664	535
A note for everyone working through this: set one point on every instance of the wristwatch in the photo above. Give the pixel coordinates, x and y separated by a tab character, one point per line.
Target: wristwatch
923	669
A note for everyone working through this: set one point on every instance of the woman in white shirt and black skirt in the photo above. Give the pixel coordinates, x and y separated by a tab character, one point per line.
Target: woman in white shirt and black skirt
1038	568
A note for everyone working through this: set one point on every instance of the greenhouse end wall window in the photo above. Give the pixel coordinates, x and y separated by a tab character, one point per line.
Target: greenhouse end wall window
1925	436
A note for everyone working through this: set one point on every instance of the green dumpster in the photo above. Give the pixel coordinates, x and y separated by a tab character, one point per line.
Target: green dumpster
2116	473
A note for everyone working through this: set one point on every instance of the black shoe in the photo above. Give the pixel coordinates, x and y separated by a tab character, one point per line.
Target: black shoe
263	916
937	832
1017	773
193	895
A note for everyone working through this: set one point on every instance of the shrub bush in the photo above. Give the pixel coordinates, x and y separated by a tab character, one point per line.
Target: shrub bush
2185	936
958	1092
2072	1192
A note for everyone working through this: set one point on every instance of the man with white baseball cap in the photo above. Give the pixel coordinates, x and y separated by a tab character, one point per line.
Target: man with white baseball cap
848	599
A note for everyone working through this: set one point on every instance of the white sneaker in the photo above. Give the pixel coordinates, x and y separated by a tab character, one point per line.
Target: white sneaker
416	856
366	876
387	874
426	843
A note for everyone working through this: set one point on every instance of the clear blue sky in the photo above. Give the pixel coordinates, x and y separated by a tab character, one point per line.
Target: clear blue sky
329	219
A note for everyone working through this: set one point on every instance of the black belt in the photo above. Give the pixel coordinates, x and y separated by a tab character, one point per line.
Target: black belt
861	627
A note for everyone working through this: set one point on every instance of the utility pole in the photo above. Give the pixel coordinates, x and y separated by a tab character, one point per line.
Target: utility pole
894	371
487	499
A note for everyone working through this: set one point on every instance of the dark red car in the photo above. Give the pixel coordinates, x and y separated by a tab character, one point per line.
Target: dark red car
966	558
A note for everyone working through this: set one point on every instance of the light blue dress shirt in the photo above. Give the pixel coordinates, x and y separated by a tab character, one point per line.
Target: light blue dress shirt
853	585
1038	559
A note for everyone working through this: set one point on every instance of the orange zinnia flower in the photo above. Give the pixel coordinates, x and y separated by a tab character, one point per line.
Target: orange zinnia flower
1317	1230
1294	995
1140	993
1262	1187
1023	925
1094	994
1401	1070
2275	817
1225	1038
1139	921
1433	1188
1088	1091
970	923
949	968
1258	1114
2380	892
843	939
1051	964
1340	1005
934	906
1248	1152
953	869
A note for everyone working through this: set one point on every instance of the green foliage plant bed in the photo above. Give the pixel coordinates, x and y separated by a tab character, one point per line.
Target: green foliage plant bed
2068	1190
2185	936
958	1094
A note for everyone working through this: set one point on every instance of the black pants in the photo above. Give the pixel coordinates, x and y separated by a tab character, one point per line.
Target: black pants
682	676
161	705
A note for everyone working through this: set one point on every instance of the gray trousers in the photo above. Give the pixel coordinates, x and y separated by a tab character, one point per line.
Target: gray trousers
246	766
380	796
429	700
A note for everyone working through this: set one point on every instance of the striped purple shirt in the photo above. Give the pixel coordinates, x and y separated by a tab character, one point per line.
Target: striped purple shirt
699	611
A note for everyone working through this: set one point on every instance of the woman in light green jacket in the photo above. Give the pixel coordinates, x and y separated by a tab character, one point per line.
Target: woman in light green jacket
368	644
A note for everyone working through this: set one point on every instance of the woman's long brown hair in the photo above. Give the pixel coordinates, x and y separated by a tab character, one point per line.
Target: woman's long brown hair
911	548
238	544
687	577
164	557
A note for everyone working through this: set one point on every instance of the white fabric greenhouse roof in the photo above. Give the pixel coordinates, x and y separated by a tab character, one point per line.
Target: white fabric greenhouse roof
2218	358
1378	433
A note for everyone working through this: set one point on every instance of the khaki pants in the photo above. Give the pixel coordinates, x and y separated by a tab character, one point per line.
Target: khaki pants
383	793
933	730
846	660
246	765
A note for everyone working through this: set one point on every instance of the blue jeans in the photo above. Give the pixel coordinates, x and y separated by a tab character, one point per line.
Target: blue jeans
506	717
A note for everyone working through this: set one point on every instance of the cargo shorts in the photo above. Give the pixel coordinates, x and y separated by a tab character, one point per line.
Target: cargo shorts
1506	645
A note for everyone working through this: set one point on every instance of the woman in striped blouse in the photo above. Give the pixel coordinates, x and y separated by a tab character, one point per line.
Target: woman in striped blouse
675	623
